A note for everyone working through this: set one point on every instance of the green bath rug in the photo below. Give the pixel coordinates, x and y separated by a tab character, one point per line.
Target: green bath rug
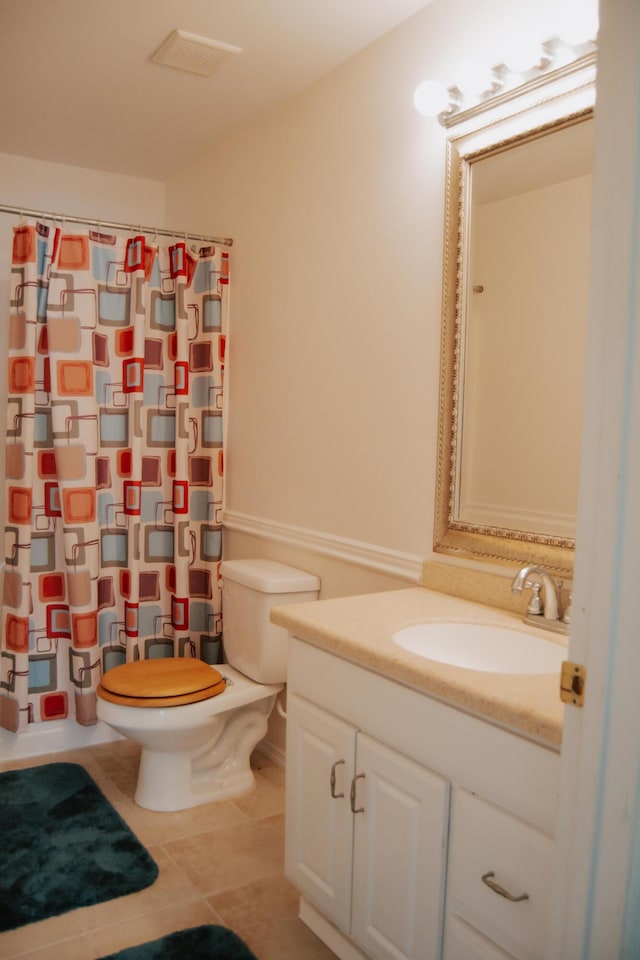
197	943
62	845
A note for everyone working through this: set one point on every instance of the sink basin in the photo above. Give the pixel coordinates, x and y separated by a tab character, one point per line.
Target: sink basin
479	646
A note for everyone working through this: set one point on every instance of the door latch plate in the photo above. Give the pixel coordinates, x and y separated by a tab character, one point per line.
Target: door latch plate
572	683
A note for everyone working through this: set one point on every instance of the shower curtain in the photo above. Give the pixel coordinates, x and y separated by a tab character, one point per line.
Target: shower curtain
114	459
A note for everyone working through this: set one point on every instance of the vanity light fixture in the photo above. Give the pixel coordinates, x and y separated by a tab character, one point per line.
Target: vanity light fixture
476	84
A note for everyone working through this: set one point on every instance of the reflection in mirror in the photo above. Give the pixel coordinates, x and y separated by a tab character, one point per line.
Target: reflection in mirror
514	319
525	318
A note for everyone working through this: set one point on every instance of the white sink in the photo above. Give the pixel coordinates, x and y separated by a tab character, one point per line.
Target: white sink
479	646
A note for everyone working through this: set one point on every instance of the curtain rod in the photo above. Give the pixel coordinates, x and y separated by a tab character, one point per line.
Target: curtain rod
45	215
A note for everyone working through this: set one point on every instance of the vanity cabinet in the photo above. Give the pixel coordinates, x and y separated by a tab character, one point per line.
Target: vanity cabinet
407	820
366	834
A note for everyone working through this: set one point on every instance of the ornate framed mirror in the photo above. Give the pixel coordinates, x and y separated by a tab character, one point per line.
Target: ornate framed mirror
515	294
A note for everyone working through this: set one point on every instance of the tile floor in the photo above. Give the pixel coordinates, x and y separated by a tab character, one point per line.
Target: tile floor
219	863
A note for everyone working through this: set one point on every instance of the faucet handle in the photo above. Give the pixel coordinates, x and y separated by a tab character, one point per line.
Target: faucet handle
566	616
535	607
559	584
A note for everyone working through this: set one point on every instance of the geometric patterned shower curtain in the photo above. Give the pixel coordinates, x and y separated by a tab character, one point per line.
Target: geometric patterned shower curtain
114	463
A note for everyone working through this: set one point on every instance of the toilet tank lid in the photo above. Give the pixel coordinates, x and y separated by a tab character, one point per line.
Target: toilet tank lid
268	576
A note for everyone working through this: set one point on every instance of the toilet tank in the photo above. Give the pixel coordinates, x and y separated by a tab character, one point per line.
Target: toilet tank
252	644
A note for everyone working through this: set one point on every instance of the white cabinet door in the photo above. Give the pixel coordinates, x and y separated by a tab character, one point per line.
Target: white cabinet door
319	833
401	814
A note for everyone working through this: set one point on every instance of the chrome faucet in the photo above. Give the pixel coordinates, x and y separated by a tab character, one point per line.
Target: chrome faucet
546	614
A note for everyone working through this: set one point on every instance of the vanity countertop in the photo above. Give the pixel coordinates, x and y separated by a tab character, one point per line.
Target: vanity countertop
360	629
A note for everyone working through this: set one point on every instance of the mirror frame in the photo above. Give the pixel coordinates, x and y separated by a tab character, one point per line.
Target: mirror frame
552	101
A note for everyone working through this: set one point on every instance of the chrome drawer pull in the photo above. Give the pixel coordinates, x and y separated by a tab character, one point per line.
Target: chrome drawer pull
336	796
354	809
501	890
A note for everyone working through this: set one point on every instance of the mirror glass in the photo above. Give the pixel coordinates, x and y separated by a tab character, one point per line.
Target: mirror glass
514	332
524	334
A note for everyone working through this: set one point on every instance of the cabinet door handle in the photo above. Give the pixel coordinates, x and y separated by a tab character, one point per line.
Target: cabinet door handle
354	809
332	782
501	890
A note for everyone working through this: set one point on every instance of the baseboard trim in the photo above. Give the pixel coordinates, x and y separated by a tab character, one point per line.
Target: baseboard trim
272	753
406	566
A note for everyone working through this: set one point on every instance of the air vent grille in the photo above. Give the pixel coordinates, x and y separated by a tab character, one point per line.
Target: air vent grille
199	55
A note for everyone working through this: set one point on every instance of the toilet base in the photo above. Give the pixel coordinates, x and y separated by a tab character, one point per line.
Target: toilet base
217	770
199	752
166	782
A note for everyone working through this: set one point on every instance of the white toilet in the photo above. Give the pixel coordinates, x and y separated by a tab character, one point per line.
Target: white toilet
198	725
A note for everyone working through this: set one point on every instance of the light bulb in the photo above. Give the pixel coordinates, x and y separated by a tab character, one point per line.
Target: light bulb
473	78
523	55
430	98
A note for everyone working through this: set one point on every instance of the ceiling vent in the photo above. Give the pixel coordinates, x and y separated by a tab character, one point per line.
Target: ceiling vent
200	55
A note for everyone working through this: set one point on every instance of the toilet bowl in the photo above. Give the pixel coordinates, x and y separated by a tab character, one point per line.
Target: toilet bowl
198	724
195	752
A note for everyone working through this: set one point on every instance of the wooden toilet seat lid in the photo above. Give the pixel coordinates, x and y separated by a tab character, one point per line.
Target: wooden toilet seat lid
170	681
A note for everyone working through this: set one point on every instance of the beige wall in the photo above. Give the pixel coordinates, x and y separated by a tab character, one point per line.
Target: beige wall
58	187
335	202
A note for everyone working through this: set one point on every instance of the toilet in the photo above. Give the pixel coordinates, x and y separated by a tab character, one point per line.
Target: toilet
198	724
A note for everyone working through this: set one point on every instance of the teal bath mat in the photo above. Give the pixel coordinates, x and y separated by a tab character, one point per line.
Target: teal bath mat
62	845
197	943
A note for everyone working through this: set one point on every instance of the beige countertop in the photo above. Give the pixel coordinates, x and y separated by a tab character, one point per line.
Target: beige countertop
360	629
